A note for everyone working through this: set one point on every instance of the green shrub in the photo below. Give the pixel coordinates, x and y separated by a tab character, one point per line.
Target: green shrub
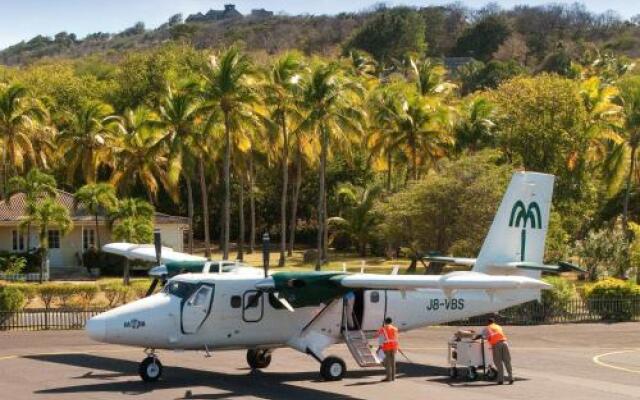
557	300
139	288
11	299
32	259
49	292
29	290
115	292
12	265
613	299
85	293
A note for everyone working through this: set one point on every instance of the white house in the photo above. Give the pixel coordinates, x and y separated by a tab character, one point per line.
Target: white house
66	251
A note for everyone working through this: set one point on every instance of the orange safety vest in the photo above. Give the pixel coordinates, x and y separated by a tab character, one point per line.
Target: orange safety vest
495	334
390	334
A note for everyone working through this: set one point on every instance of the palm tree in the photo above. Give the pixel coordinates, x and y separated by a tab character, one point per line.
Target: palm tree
87	141
20	115
140	154
358	221
474	129
180	112
332	111
35	186
629	99
228	86
133	222
281	92
429	76
96	197
48	213
423	128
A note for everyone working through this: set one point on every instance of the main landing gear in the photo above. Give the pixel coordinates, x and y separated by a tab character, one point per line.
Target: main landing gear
150	369
332	368
258	358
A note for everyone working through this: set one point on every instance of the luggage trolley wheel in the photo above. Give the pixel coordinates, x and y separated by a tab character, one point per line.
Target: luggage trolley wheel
491	374
472	373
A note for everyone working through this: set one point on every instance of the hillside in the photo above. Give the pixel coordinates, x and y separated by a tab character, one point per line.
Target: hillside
526	34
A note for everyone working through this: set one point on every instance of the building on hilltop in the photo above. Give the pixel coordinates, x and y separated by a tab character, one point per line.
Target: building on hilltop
229	12
261	13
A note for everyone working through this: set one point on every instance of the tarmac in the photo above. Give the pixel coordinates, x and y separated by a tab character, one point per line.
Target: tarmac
582	361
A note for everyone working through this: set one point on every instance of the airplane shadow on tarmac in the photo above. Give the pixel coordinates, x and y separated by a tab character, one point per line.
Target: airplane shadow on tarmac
268	385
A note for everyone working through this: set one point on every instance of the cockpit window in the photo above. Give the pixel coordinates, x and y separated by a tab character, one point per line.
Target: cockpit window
180	289
201	298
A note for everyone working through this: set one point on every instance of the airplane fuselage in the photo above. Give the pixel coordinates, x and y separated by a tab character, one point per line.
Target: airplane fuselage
228	316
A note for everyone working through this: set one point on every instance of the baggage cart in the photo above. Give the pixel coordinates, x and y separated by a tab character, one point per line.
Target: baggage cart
468	358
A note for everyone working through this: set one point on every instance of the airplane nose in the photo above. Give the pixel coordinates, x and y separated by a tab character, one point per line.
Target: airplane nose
97	328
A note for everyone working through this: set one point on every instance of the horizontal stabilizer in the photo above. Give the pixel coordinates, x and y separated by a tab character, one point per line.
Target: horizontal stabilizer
450	260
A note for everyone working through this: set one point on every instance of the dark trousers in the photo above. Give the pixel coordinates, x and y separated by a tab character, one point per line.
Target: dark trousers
502	359
390	364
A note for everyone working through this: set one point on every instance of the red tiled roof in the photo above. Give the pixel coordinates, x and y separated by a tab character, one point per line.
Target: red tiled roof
14	209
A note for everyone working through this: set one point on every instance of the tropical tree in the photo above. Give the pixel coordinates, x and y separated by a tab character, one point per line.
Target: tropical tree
423	130
384	105
228	86
46	214
474	129
281	92
180	112
96	197
87	141
140	154
357	220
330	101
132	221
630	101
20	115
35	185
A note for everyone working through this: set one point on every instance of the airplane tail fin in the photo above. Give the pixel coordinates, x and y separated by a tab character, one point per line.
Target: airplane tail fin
515	242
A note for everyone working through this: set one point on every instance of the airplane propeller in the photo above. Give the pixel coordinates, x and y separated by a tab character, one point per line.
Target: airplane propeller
158	273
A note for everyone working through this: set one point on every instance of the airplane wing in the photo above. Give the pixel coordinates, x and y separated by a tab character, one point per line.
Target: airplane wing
302	289
452	281
450	260
147	252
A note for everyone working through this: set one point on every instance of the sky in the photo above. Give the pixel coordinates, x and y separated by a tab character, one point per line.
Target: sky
24	19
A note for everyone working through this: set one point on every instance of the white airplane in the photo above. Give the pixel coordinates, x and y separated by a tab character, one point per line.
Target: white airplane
305	310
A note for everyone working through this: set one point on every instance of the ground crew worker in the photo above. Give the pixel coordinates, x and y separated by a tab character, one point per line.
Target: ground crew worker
390	346
494	334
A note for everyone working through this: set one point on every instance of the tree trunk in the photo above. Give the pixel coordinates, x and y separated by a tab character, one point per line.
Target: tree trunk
252	205
321	189
325	230
190	210
241	213
97	233
205	208
283	196
28	237
627	194
44	245
125	279
294	203
414	160
389	172
227	186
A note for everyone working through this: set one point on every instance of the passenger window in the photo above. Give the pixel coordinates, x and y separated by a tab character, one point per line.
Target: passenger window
375	297
236	301
253	300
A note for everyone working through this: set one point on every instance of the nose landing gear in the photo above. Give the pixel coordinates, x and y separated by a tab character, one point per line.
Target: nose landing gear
150	369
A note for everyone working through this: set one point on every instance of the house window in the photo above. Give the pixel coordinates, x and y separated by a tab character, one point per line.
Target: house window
88	239
54	239
18	241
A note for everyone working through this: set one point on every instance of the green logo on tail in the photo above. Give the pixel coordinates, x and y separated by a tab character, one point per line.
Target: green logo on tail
520	216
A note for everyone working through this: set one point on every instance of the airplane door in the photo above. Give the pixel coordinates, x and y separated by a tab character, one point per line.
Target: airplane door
375	304
197	309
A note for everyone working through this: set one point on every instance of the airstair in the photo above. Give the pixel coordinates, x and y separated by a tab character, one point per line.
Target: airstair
359	347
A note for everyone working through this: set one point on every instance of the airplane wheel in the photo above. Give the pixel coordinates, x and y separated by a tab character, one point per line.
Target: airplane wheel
453	372
332	369
258	359
472	373
150	369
